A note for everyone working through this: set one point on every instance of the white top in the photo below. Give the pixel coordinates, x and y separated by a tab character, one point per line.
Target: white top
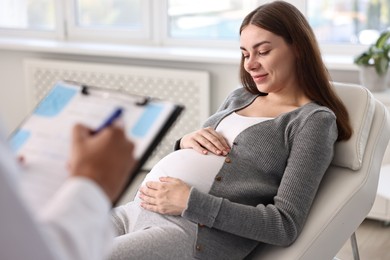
234	124
196	169
74	226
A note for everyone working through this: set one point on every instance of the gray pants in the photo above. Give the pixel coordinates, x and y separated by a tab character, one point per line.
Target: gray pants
146	235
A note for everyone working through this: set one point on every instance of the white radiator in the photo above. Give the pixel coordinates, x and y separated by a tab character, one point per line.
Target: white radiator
190	88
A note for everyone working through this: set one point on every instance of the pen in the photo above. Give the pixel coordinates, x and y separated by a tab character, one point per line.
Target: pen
116	114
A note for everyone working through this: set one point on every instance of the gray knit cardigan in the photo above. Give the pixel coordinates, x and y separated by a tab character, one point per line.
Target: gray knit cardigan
264	192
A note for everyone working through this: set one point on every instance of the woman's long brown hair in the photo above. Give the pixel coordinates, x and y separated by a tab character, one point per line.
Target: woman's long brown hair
286	21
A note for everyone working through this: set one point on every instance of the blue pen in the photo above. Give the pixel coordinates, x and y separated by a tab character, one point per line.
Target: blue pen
116	114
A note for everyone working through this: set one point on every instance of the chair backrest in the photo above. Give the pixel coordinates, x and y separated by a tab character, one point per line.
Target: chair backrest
348	189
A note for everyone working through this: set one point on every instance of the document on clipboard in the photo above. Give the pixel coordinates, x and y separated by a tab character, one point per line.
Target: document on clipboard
44	137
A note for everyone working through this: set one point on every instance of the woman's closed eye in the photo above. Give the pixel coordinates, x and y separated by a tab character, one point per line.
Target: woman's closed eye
264	53
260	53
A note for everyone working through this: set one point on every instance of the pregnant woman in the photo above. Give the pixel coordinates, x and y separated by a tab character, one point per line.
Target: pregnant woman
250	175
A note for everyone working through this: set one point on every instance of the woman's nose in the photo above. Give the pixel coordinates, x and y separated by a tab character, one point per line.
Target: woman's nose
252	64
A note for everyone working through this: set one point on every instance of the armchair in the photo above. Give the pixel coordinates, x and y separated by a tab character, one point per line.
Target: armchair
348	189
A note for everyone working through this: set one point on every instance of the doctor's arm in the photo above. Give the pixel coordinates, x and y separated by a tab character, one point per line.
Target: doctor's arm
76	221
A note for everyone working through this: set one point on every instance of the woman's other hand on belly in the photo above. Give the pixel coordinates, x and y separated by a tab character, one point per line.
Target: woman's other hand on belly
169	196
206	140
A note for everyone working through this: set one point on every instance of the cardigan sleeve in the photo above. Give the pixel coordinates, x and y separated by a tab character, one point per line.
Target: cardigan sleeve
279	223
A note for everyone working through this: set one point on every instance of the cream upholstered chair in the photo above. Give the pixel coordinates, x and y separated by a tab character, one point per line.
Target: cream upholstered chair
348	189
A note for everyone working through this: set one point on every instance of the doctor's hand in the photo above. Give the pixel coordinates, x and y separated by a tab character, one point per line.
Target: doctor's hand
168	196
206	140
106	158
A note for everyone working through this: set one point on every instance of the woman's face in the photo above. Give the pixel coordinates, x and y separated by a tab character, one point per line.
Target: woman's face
268	59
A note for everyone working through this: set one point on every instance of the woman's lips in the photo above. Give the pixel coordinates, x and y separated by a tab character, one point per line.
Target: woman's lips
259	78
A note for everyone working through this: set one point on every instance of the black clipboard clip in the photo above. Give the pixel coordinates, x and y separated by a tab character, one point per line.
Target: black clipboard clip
84	90
143	100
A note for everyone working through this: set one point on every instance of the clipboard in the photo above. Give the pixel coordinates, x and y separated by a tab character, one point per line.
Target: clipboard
44	137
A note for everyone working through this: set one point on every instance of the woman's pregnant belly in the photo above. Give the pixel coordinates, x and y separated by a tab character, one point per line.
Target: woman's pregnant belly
195	169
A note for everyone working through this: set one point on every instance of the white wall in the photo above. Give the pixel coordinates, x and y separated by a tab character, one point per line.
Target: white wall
224	78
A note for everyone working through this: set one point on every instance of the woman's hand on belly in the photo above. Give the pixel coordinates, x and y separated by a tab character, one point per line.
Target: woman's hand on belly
169	196
205	140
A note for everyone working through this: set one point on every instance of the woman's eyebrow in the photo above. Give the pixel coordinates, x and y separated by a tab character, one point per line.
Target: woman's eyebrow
255	45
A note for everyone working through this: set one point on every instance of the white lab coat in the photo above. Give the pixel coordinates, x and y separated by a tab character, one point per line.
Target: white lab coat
73	226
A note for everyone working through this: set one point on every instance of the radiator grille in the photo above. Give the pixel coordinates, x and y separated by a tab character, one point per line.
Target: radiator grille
190	88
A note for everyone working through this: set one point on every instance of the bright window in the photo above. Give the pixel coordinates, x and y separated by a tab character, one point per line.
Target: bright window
348	21
108	14
207	20
108	20
210	20
337	23
28	14
76	19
